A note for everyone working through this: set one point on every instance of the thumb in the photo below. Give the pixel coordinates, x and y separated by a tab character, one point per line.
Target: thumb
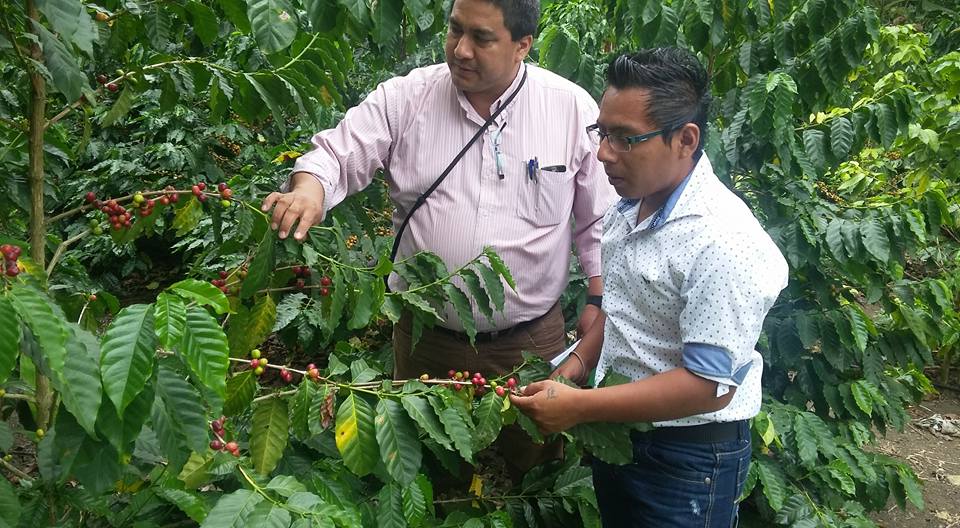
535	387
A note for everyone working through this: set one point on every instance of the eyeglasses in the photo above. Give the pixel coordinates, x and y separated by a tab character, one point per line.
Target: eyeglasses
620	143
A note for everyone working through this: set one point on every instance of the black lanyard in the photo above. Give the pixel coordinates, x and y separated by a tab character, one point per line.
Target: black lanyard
423	197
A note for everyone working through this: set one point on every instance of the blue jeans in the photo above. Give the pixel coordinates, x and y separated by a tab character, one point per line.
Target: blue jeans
674	484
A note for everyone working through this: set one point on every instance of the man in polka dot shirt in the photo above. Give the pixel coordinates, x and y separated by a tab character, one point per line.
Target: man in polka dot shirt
689	276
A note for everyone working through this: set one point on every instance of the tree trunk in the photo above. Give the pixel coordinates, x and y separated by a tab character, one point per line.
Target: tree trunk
38	233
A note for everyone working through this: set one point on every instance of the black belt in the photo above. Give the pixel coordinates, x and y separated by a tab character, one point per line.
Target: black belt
707	433
486	337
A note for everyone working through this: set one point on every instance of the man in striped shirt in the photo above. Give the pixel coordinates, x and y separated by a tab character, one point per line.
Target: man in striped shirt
530	186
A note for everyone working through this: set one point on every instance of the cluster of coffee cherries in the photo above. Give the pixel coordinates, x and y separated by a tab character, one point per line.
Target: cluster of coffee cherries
10	255
479	382
301	275
146	206
221	282
102	79
257	363
170	197
226	193
117	214
218	443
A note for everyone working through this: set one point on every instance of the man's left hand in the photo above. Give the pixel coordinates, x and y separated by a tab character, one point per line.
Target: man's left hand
587	317
550	404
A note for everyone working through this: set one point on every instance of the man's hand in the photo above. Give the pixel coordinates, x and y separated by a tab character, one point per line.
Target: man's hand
551	405
302	206
587	317
572	369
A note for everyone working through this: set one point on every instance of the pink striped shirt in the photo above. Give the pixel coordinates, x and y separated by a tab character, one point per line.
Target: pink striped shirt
413	126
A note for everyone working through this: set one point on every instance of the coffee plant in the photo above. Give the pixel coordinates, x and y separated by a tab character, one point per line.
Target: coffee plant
140	384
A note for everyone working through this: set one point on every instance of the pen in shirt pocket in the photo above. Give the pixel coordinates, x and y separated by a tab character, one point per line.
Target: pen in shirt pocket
554	168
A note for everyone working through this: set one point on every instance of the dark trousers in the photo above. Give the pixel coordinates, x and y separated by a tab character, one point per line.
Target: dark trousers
674	484
439	351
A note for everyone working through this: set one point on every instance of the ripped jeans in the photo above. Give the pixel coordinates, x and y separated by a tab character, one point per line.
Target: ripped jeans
674	484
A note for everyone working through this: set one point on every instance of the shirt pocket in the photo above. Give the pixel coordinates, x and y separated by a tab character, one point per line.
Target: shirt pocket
546	201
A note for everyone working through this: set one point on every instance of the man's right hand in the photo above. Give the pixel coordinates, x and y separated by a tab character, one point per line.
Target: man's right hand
302	206
571	369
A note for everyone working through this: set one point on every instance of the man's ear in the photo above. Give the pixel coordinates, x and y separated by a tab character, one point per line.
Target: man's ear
687	138
523	47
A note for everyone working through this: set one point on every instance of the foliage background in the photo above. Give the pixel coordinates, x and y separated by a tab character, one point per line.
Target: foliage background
836	121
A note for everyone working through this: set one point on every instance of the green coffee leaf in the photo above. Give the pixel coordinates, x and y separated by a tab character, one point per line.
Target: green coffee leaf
171	317
240	390
9	338
390	507
366	300
498	265
356	435
184	403
42	318
188	502
494	286
268	434
203	293
68	79
420	410
398	441
127	354
863	397
274	24
464	311
205	349
456	428
233	510
773	481
288	310
261	269
488	420
874	238
82	392
269	515
806	441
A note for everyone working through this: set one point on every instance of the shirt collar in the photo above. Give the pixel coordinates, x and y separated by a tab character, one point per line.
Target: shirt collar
471	112
669	210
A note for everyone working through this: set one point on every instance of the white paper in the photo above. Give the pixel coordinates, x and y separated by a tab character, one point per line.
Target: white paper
563	355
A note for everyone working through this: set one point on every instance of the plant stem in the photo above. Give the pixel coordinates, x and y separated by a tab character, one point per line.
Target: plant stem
38	231
498	498
272	395
13	469
297	58
63	247
120	200
74	105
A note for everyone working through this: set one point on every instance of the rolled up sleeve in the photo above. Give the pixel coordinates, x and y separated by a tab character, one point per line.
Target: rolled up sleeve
727	293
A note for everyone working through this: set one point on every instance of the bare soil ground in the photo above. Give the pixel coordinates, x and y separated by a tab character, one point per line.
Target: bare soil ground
936	460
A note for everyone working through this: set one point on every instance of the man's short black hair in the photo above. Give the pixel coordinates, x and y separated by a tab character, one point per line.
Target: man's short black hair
676	83
521	17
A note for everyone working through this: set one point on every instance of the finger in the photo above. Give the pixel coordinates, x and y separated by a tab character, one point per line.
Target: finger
279	209
290	217
269	201
520	401
307	219
533	388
